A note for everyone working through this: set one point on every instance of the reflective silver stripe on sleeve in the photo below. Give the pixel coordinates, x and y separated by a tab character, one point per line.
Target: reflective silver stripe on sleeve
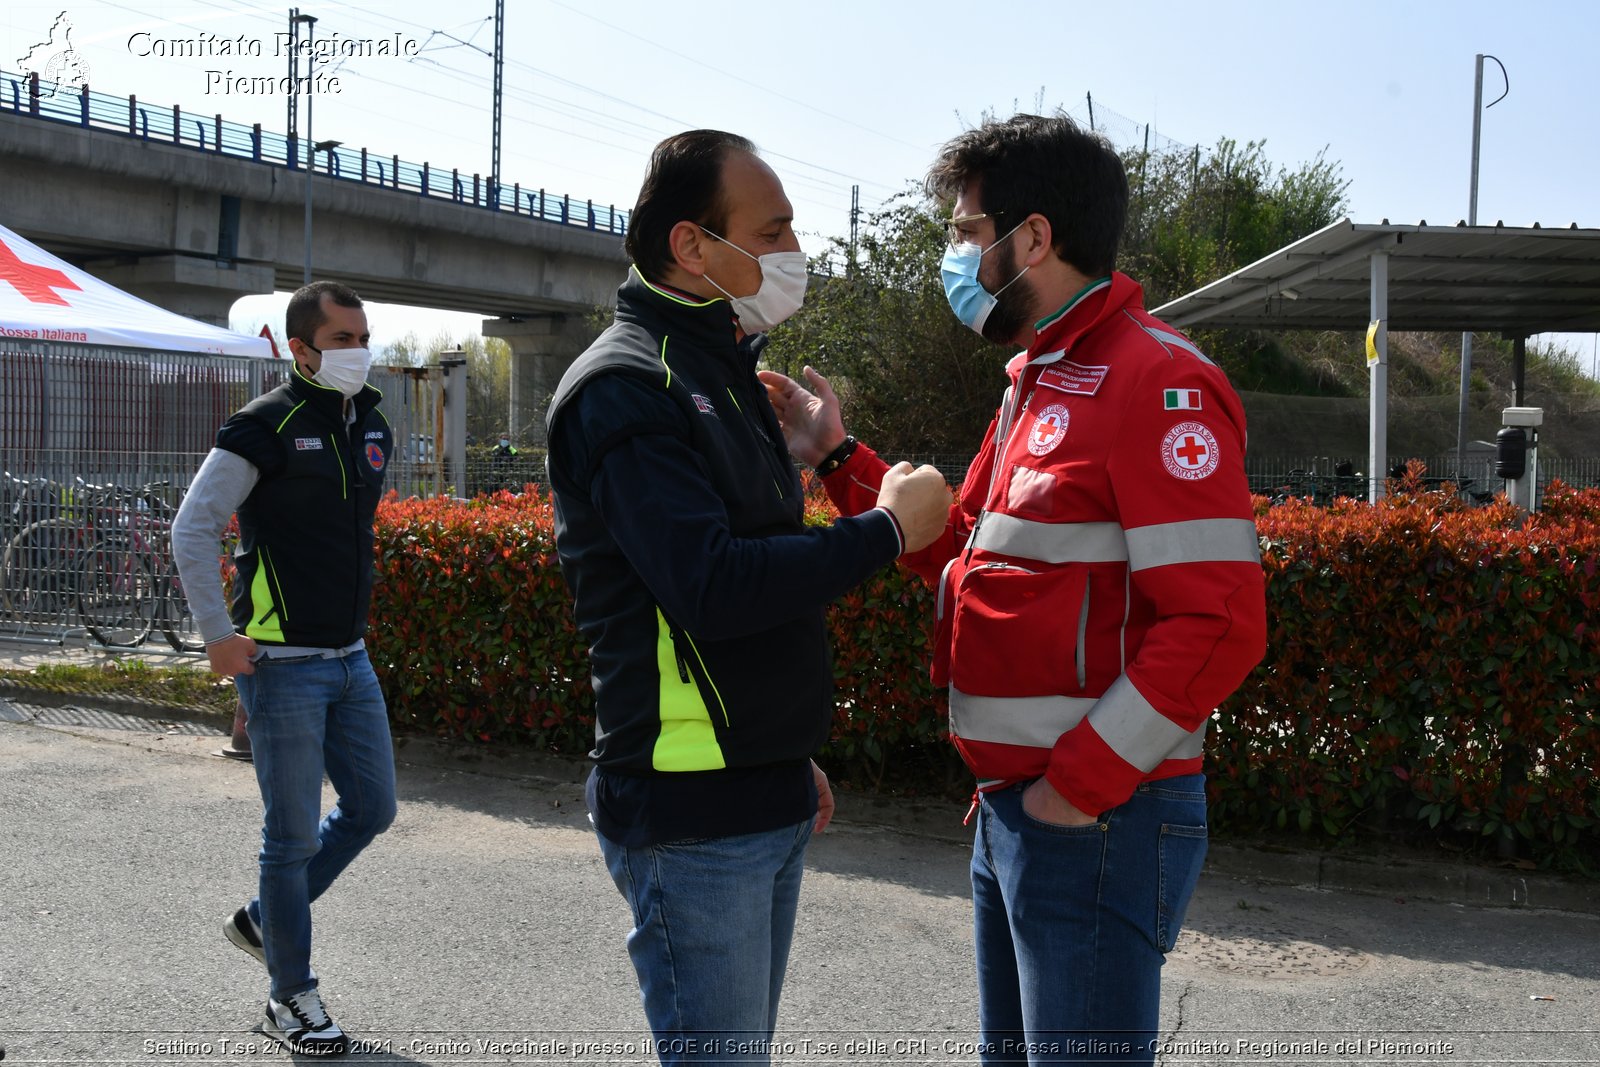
1139	733
1164	338
1196	541
1037	722
1052	542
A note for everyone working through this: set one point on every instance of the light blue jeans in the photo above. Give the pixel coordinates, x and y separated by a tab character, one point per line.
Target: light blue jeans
712	923
307	716
1073	923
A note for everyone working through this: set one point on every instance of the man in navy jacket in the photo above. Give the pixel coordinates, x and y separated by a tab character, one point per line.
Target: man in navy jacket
701	591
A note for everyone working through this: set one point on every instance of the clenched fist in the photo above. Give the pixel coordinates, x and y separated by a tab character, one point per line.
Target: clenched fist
919	499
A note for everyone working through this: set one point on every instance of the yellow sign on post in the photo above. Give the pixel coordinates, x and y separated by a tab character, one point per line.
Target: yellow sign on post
1372	343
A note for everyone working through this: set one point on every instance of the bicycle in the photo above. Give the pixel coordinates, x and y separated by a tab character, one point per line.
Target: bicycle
38	572
129	583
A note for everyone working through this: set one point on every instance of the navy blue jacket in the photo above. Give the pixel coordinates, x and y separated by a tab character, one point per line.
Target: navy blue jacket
679	524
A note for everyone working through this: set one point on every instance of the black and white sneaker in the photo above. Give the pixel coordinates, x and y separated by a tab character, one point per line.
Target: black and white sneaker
243	931
300	1022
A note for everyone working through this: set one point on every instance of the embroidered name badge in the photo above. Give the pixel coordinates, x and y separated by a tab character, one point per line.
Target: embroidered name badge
703	404
374	435
1181	400
307	444
1049	429
1070	377
375	457
1189	451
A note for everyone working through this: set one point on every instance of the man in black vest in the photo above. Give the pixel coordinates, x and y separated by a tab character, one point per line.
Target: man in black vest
303	467
700	589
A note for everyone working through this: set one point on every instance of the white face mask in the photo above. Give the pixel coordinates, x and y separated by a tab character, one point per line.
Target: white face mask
782	291
344	369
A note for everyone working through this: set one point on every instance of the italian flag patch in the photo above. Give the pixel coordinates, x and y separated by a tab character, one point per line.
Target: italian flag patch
1182	399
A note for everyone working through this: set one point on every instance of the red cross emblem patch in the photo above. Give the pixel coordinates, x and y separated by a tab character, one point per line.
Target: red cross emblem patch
1049	427
1189	451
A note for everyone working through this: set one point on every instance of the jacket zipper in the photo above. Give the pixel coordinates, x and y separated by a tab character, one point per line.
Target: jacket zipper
1083	636
1002	445
769	449
686	672
279	607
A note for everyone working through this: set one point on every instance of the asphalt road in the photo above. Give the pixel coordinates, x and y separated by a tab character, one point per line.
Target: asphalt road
483	929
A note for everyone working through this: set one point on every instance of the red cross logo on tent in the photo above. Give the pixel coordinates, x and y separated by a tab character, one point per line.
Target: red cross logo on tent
35	283
1049	429
1189	451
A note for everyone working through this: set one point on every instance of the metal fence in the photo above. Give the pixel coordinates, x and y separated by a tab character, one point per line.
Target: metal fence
25	94
1324	478
98	446
1320	477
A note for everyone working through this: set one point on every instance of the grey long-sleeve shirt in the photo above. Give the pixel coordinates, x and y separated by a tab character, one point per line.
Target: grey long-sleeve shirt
221	485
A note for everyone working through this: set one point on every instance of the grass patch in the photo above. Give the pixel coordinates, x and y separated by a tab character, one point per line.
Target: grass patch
179	686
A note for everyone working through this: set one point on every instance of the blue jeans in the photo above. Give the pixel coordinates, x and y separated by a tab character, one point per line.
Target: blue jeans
1073	923
712	923
306	716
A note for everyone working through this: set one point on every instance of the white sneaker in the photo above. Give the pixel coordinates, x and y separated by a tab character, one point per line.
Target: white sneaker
301	1023
243	931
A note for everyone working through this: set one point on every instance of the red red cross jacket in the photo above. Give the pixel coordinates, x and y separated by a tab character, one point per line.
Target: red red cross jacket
1100	582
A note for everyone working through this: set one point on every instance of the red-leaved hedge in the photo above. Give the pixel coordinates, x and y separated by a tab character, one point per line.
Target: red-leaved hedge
1429	665
1426	662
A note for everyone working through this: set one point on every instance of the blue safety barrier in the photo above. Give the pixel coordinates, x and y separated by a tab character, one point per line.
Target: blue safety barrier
25	94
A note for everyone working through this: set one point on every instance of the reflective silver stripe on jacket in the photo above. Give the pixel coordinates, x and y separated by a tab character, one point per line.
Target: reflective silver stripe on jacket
1037	722
1133	729
1139	733
1052	542
1195	541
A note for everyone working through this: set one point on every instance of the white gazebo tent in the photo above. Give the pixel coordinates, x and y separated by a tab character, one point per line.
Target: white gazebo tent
97	383
48	299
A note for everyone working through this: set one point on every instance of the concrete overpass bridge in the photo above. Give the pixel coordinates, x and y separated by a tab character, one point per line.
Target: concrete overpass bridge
192	212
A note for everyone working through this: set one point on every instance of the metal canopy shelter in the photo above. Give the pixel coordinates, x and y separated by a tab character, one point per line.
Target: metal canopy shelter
1515	281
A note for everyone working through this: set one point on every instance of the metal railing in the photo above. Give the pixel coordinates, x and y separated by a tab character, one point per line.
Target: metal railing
98	446
131	117
1323	479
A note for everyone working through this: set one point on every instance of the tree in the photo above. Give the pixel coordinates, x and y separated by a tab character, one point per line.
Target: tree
1195	217
488	374
915	382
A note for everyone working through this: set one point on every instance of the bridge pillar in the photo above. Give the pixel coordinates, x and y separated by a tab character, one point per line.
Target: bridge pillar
541	351
193	286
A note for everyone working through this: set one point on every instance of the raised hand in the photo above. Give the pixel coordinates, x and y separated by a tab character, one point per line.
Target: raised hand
810	418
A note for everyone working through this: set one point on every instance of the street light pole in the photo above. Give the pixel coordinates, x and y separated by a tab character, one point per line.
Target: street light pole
311	150
1464	398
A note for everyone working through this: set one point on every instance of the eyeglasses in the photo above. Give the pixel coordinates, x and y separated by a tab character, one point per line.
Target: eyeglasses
952	227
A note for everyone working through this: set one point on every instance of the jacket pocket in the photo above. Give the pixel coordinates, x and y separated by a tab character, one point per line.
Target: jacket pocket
1018	632
268	612
689	715
692	668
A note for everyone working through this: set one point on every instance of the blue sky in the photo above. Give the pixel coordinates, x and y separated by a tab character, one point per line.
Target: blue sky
844	93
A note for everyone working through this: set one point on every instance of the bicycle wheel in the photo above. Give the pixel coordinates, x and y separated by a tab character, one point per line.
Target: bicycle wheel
116	594
38	575
177	625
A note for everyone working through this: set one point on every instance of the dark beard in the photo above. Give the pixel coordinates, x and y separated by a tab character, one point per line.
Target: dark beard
1013	308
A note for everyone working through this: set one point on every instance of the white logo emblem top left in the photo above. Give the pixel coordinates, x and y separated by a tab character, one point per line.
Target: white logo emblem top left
55	61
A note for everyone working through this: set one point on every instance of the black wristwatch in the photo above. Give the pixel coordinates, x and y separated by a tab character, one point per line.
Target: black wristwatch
838	457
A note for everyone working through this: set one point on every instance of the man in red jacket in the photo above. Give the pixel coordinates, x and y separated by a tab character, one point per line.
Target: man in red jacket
1100	592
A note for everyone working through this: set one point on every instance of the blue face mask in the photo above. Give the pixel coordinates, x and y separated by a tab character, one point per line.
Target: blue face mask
971	302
